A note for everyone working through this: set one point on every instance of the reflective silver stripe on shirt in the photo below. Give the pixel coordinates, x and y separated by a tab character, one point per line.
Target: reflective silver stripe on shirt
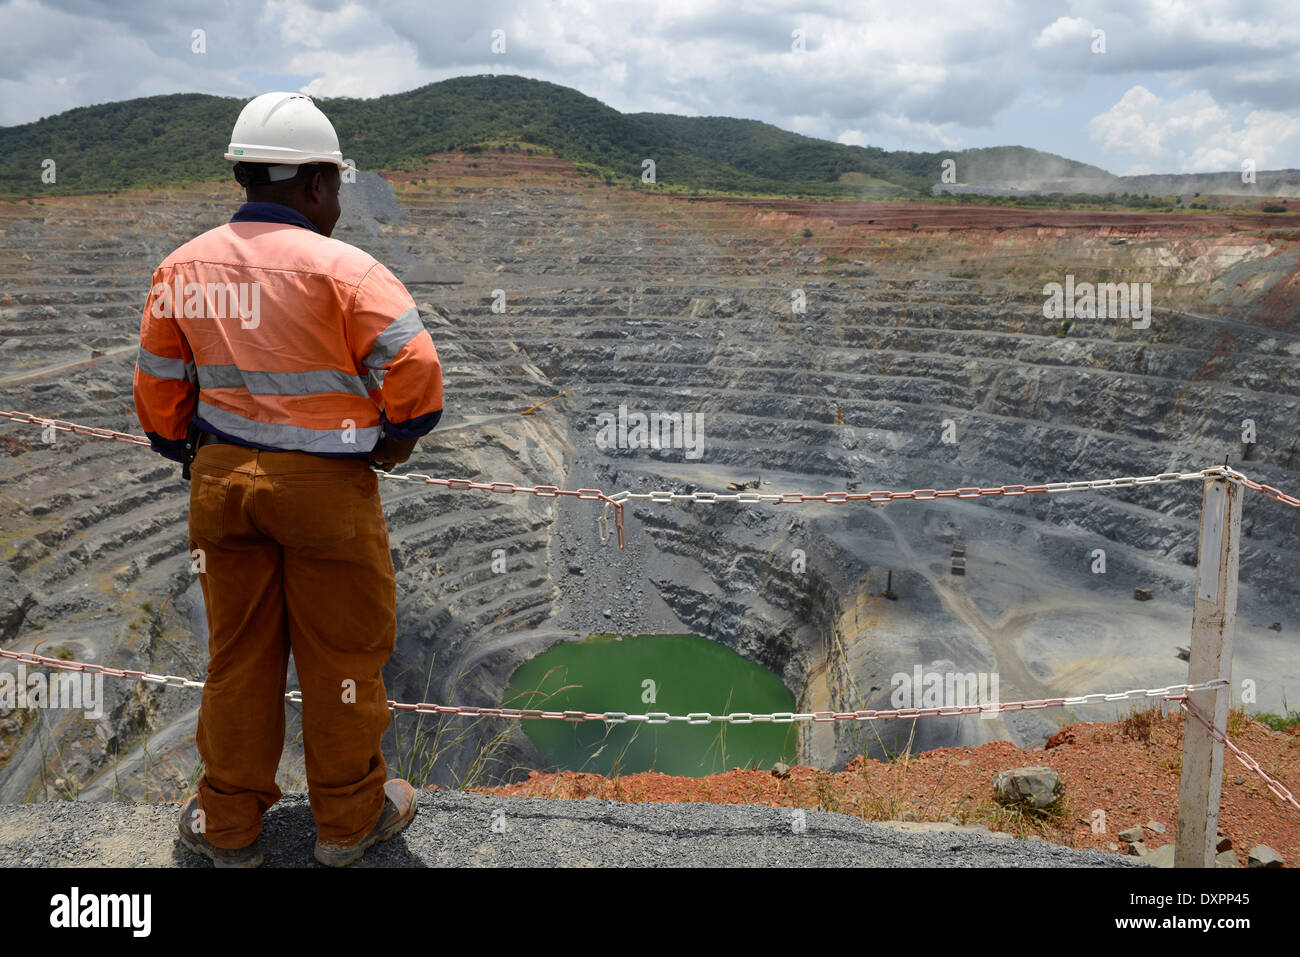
312	382
160	367
293	438
390	342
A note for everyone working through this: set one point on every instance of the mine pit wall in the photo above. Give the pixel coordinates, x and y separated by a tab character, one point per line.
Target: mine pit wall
728	573
743	596
802	626
725	572
727	587
714	582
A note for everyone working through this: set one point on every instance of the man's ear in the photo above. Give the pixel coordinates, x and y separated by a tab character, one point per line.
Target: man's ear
317	187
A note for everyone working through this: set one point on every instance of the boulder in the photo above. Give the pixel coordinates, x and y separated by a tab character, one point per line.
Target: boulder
1035	787
1261	855
1161	856
1064	736
1132	835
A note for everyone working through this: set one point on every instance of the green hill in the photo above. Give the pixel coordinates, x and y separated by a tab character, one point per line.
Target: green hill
768	152
170	139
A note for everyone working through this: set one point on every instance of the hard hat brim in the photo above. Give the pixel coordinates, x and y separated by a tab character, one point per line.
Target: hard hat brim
240	153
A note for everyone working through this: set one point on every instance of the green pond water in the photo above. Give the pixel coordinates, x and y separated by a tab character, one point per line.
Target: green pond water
638	674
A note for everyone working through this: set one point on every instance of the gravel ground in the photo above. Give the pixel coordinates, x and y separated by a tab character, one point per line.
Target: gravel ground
457	829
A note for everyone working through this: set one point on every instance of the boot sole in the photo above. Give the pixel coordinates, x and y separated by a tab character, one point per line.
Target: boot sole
207	851
356	852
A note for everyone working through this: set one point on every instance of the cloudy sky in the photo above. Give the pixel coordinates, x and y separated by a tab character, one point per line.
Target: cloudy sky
1132	86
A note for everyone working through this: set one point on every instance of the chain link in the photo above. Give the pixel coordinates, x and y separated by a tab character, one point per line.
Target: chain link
540	491
617	500
503	488
1267	490
59	425
662	717
665	497
1274	785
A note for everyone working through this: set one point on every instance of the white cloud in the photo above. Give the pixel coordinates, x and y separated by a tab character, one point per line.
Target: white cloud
1064	30
1193	133
907	134
374	71
300	25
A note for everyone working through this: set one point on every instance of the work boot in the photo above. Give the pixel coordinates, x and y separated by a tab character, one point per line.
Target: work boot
399	811
250	856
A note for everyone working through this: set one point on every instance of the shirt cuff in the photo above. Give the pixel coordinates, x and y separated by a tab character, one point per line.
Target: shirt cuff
411	428
173	449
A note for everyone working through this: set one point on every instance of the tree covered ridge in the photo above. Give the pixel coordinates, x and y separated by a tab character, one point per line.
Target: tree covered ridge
160	140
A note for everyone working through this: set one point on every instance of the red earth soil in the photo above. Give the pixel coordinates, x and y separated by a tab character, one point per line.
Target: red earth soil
1129	769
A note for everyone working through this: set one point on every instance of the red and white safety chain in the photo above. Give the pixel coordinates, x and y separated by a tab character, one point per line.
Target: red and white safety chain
26	418
542	491
1173	692
617	500
1274	785
655	717
1233	475
918	495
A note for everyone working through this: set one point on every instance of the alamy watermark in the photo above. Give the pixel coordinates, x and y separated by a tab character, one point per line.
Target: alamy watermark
75	691
945	689
1103	300
128	911
208	300
658	430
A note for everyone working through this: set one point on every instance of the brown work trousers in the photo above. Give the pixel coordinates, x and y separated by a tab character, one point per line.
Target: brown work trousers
293	554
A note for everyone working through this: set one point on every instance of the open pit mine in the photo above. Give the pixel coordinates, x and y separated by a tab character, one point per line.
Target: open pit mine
804	346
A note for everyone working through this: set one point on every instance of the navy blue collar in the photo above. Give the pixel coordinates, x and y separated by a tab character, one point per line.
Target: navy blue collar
271	213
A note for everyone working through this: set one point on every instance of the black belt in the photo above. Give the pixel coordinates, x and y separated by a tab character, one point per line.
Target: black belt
207	438
196	438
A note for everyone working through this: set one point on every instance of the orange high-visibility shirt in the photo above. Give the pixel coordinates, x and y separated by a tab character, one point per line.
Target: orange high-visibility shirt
272	335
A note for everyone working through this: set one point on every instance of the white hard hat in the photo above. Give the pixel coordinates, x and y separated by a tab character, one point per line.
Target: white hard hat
284	129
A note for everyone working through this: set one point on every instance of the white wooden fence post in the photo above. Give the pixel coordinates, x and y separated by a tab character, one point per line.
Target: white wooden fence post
1214	623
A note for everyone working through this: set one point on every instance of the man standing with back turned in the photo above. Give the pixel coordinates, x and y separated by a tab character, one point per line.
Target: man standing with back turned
278	365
